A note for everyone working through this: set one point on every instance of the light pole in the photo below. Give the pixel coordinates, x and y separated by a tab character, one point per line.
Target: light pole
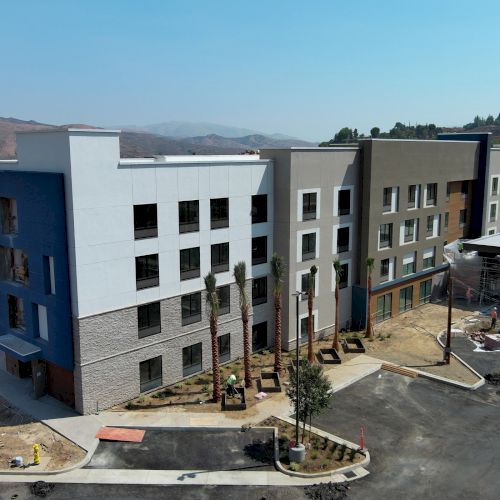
447	349
298	452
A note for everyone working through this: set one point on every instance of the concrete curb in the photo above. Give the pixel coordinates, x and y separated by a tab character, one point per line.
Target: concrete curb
331	473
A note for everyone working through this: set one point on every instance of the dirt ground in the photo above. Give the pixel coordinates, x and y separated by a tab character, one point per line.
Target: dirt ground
410	340
18	434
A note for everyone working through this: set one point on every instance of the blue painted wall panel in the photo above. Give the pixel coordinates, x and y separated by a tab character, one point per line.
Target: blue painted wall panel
41	219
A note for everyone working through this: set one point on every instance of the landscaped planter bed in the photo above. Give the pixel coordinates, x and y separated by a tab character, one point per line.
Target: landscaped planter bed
293	364
353	345
322	453
329	356
269	382
235	403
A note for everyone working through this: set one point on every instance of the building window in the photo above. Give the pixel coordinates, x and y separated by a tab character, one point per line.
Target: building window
148	319
224	343
387	200
385	236
191	359
405	299
309	206
493	212
429	259
431	194
150	374
463	217
425	291
16	312
224	294
446	220
8	216
412	196
190	263
189	216
344	276
191	308
464	189
491	231
409	230
408	264
145	221
384	307
429	231
259	208
494	186
40	322
448	190
308	246
305	283
384	270
343	237
259	250
259	291
219	213
49	278
147	271
344	202
220	257
14	265
303	329
259	336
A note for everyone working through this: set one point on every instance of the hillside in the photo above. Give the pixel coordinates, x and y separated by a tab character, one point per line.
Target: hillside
255	141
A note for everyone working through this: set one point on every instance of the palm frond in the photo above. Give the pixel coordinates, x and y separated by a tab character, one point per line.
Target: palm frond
240	276
278	271
212	298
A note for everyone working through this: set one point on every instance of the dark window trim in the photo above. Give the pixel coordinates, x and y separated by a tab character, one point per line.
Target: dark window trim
219	267
224	356
146	331
147	281
189	227
258	218
343	248
191	318
310	254
142	232
192	272
193	367
344	211
309	213
224	309
261	259
218	222
152	383
260	299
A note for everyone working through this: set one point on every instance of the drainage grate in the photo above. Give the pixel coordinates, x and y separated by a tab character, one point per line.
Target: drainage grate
350	474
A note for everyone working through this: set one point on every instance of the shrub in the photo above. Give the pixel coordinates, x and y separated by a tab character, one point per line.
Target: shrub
381	337
389	335
178	386
189	382
205	388
235	371
129	405
140	400
370	339
294	466
156	395
314	455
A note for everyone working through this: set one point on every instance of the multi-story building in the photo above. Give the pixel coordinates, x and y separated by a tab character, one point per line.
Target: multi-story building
103	259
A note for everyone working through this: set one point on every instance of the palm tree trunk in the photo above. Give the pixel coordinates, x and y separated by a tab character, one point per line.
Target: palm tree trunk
369	329
215	360
277	335
336	344
310	328
246	347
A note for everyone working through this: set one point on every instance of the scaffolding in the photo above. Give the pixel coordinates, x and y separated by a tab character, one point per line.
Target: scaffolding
475	278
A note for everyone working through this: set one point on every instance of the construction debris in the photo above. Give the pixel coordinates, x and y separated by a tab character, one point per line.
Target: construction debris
492	378
327	491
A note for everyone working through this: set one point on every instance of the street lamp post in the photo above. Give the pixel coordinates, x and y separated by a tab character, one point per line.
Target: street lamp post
298	452
447	349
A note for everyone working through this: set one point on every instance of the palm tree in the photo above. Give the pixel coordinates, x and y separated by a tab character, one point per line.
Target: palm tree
338	272
310	304
370	264
213	304
277	270
240	276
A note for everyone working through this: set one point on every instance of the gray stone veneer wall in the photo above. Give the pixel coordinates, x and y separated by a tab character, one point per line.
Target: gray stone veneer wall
108	350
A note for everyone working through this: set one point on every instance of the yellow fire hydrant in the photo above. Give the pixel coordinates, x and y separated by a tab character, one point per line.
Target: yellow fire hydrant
36	454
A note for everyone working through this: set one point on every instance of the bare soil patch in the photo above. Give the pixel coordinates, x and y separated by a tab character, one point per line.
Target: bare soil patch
18	434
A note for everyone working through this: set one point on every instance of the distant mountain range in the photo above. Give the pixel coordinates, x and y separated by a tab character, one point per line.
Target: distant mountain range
136	143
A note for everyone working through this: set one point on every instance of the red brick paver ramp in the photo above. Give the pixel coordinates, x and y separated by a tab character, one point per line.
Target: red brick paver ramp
121	434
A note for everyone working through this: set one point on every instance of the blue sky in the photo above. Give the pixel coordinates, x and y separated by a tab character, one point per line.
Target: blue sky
304	68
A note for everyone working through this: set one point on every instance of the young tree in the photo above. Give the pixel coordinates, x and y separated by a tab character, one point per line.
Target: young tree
375	132
240	276
213	306
338	273
310	318
370	264
315	393
278	271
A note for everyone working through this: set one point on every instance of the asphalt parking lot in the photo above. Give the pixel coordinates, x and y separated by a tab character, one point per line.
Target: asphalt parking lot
427	440
187	450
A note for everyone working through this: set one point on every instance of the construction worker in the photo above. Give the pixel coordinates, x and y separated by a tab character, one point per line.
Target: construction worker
230	389
493	318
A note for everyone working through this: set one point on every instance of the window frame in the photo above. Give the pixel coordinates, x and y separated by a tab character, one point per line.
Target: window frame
259	298
412	196
309	213
189	226
151	383
431	187
344	248
259	241
310	254
224	305
409	231
383	313
145	228
462	215
216	208
407	304
384	276
192	367
257	210
192	271
192	317
224	356
425	299
149	329
218	263
151	279
385	243
343	211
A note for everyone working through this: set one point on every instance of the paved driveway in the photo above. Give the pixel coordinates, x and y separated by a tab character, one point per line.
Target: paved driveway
427	440
187	450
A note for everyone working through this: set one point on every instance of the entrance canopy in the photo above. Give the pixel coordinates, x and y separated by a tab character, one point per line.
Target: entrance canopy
19	348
